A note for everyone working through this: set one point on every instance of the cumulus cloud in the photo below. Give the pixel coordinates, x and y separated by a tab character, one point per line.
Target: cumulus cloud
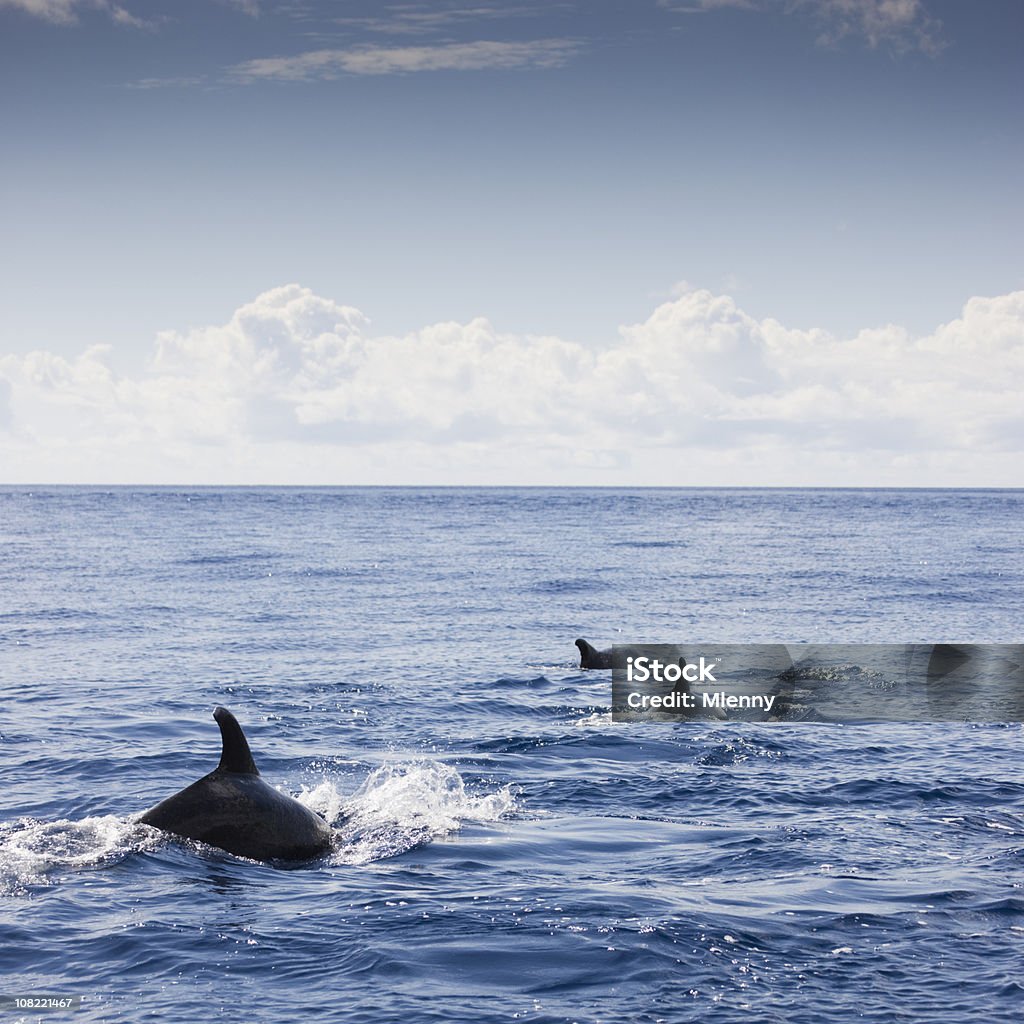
296	387
482	55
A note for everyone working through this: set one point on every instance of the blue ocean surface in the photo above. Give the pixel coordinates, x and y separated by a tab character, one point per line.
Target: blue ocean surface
402	660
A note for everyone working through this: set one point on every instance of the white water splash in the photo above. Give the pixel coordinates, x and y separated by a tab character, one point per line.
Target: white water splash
399	807
30	850
595	720
324	799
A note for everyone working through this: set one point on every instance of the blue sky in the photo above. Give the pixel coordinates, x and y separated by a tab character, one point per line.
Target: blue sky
560	170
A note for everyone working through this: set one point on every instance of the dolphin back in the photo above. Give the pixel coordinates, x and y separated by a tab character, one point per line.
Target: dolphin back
244	816
233	809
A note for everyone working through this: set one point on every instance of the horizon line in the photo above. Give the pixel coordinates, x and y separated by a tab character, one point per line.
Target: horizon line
518	487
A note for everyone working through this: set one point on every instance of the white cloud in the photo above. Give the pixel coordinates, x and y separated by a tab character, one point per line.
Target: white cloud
65	12
181	82
701	6
898	24
59	11
483	55
420	19
902	24
297	388
250	7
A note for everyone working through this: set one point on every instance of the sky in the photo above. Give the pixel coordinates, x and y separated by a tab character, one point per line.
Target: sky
623	242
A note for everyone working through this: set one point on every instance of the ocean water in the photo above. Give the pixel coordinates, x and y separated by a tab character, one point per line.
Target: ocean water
403	661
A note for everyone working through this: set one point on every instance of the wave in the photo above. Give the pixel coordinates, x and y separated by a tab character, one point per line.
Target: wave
31	851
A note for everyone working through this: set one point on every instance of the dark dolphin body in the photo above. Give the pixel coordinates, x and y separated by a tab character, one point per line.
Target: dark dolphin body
234	809
591	657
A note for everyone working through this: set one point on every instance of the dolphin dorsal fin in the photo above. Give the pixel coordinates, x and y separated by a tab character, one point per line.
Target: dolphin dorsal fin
235	755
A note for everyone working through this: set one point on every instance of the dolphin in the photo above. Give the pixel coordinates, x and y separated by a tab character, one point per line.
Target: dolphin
591	657
234	809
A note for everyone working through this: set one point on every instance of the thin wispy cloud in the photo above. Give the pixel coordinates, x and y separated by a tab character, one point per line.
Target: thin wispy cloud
250	7
179	82
899	24
422	19
68	12
703	6
482	55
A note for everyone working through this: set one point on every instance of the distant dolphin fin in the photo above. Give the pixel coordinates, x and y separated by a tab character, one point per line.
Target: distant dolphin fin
946	659
235	755
591	657
682	685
